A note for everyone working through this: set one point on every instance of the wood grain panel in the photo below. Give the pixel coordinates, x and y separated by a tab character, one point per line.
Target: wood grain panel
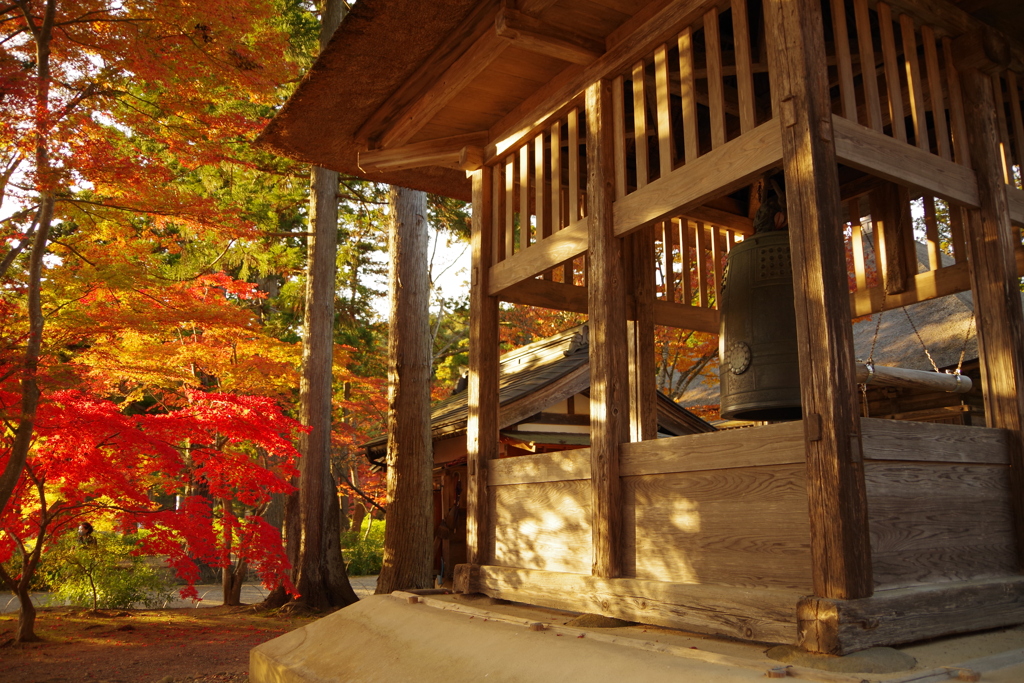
542	526
768	445
931	442
540	467
741	527
752	614
938	522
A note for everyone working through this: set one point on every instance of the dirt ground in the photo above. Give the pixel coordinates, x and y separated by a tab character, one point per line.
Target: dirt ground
186	645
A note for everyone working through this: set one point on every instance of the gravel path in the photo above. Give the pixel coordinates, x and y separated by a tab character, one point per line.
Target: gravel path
210	594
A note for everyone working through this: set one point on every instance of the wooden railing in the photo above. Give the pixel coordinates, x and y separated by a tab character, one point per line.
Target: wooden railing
876	282
691	259
689	96
895	76
539	189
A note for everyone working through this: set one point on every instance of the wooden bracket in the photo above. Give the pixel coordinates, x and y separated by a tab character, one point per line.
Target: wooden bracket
464	152
537	36
984	49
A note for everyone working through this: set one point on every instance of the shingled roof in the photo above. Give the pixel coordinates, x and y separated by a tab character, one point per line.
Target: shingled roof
533	377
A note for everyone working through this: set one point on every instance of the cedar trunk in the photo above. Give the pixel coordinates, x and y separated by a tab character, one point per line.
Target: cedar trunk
321	579
408	542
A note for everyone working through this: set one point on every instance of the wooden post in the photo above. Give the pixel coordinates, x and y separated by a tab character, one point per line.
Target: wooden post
840	548
482	392
990	248
609	383
643	417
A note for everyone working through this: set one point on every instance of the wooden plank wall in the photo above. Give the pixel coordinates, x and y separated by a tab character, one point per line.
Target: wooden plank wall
938	503
727	508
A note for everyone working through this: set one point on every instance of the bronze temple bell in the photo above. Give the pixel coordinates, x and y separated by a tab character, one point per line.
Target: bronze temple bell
757	346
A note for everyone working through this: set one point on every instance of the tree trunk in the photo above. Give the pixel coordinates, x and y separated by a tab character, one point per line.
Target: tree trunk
26	632
41	133
322	582
408	538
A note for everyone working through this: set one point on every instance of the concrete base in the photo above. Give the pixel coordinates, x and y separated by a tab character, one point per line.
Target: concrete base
450	639
386	639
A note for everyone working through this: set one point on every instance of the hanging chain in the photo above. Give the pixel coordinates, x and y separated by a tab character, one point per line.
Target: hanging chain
918	334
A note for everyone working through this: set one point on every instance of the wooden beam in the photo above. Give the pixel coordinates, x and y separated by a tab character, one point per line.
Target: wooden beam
923	286
482	392
444	88
899	162
991	246
746	613
541	468
567	243
535	35
609	386
720	218
904	615
840	545
720	171
561	297
464	152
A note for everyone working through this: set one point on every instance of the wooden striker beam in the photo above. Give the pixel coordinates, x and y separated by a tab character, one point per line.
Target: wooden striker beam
482	392
840	548
609	387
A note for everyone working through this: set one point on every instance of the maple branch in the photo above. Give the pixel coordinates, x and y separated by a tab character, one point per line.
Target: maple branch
209	269
73	251
22	243
362	495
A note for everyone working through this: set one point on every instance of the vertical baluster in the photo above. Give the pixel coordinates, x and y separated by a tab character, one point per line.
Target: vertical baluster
498	218
640	124
847	93
541	203
860	272
931	60
744	68
619	134
558	220
915	88
717	253
702	265
684	255
667	261
961	151
931	232
524	196
574	165
892	73
956	232
1018	123
664	99
688	92
716	93
510	205
869	76
730	240
1004	135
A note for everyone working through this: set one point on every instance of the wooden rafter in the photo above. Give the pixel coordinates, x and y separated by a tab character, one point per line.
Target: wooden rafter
537	36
